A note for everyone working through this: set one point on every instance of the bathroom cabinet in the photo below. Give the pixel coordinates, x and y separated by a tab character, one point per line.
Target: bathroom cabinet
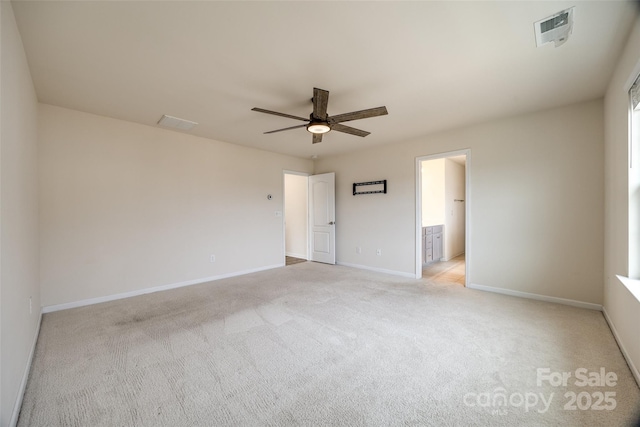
432	245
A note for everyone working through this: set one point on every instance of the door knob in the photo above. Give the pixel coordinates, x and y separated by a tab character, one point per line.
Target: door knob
332	223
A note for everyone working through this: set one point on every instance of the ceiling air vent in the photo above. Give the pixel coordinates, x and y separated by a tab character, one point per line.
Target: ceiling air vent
176	123
555	28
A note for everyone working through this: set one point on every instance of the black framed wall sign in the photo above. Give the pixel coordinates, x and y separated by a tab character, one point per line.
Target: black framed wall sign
371	187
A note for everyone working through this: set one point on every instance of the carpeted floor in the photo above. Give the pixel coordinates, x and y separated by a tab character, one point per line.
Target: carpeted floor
313	345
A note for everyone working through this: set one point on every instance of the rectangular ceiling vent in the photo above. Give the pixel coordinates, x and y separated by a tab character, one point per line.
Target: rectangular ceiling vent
176	123
556	28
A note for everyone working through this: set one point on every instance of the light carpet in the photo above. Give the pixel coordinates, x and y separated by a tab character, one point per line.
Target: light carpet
312	344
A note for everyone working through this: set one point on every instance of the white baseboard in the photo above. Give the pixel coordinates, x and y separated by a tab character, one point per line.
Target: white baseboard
25	376
379	270
538	297
616	335
98	300
452	256
295	255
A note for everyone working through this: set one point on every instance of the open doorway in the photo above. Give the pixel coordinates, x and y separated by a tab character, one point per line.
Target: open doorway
296	201
442	218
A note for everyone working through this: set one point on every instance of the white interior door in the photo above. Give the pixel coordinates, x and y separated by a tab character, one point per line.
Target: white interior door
322	218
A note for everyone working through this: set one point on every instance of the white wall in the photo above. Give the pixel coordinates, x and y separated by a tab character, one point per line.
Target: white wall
622	309
296	188
536	202
126	207
18	215
433	192
454	211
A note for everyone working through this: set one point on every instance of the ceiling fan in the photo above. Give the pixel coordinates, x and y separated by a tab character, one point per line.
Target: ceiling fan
320	123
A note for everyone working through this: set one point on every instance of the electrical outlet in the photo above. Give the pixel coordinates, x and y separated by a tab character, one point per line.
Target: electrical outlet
379	252
212	258
358	250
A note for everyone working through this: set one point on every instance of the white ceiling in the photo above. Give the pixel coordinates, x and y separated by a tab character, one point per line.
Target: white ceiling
435	65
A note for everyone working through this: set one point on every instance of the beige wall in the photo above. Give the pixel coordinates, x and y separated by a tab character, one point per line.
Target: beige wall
622	309
454	211
536	221
125	207
296	207
18	215
433	192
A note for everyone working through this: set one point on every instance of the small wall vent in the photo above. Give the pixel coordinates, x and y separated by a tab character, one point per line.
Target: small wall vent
176	123
555	28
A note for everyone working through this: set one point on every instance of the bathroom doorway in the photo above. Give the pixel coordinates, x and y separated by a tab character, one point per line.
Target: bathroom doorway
442	218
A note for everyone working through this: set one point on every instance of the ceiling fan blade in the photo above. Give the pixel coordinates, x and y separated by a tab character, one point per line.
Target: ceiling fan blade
289	128
357	115
349	130
275	113
317	137
320	101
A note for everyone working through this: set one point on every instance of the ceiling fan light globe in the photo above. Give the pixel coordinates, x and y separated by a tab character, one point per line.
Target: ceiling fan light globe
318	128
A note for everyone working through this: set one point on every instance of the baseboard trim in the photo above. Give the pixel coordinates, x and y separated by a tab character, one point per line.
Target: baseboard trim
378	270
452	256
25	376
98	300
623	350
538	297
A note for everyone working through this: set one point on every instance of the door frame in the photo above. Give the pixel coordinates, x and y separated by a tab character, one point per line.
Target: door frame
467	209
284	213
